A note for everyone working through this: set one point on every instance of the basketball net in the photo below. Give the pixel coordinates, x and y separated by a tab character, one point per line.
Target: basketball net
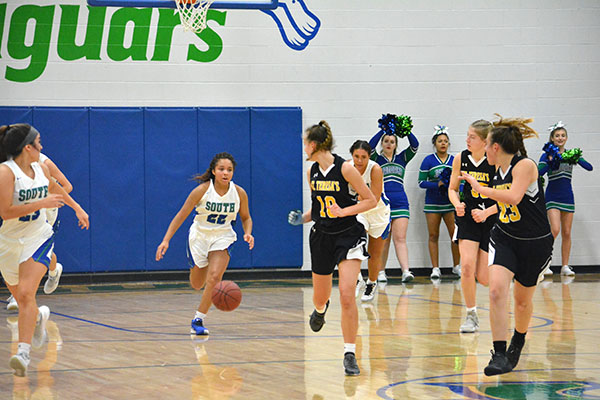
193	14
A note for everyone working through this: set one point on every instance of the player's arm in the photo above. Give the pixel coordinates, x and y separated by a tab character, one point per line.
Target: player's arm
193	198
377	181
58	175
53	187
524	173
453	194
368	198
245	217
10	211
481	215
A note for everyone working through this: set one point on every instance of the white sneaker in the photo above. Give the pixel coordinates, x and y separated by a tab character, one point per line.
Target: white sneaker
360	283
52	282
567	271
19	363
12	304
436	273
407	276
471	324
370	290
382	277
39	334
456	270
548	271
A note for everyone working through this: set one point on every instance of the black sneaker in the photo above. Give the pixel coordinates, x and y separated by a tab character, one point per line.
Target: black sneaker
499	364
369	292
317	320
350	365
513	353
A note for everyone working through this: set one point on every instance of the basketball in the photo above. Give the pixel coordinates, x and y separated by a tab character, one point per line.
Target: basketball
226	296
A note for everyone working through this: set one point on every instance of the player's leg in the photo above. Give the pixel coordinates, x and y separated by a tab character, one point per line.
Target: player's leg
54	273
347	273
482	270
381	276
523	310
500	279
469	251
566	223
433	227
217	264
375	248
450	226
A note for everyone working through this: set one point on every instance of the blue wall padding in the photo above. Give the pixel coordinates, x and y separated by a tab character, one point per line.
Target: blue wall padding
66	140
131	169
274	190
117	188
171	145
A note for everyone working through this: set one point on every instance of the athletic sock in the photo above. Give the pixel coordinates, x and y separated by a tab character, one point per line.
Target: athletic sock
519	338
24	348
469	309
53	273
200	315
500	346
370	282
349	348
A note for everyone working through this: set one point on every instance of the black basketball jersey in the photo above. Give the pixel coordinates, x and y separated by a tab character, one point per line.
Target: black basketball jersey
528	219
327	189
483	172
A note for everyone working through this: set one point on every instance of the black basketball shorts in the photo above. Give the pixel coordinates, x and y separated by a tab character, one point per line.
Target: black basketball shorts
467	229
526	258
329	249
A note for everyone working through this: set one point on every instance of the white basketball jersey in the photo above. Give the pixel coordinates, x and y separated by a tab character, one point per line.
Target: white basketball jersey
383	202
51	213
216	213
27	191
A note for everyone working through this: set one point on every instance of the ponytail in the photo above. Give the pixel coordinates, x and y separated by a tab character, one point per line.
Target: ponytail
321	135
510	132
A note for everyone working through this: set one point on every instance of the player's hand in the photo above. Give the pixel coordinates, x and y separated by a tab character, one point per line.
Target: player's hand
471	181
295	217
460	209
53	201
162	249
336	210
479	215
83	217
250	240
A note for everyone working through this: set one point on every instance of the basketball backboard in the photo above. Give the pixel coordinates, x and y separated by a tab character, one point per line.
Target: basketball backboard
220	4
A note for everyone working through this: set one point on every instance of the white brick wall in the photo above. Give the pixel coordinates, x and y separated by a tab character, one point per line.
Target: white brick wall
441	61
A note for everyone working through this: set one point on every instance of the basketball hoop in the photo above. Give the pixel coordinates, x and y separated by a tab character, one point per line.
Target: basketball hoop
193	14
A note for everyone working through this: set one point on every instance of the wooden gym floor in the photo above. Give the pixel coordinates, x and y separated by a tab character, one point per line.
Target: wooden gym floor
132	342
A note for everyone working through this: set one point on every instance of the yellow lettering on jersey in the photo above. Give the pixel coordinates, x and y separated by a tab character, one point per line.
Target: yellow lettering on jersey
325	186
480	176
325	204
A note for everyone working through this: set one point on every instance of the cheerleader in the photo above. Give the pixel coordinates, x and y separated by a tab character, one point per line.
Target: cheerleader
393	165
434	176
560	202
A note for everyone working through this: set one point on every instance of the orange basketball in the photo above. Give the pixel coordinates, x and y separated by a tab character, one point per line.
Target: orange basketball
226	296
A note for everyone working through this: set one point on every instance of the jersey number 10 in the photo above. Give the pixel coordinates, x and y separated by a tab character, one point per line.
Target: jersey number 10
325	204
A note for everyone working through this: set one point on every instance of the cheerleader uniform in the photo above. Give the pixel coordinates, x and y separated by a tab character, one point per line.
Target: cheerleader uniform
466	227
393	174
521	240
559	192
436	197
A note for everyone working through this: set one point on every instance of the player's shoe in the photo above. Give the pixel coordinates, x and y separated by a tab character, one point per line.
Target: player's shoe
52	282
381	276
567	271
499	364
317	319
370	290
514	353
456	270
39	334
198	327
12	304
407	276
19	363
350	365
471	324
360	283
436	273
548	271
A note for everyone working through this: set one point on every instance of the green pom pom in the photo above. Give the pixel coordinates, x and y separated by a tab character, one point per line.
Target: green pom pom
404	125
571	156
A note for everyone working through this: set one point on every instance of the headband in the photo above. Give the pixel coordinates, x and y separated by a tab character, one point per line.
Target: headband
440	129
29	138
